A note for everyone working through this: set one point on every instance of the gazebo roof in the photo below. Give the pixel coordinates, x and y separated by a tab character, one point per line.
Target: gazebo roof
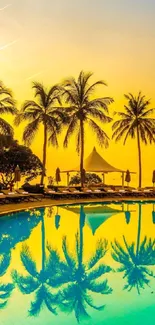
95	163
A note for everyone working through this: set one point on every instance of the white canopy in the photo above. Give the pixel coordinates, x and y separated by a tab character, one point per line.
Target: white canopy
95	163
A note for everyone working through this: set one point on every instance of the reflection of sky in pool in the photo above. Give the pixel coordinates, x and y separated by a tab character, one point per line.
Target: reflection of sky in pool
93	264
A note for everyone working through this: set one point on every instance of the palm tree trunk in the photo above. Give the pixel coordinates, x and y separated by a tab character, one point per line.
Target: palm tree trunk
43	244
139	229
44	154
81	225
82	151
139	157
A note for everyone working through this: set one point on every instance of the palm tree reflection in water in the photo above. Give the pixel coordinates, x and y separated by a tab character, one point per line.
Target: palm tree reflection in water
81	278
39	282
135	259
65	284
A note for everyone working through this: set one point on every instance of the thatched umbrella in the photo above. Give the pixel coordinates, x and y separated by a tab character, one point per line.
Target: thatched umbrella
128	177
17	175
153	178
57	175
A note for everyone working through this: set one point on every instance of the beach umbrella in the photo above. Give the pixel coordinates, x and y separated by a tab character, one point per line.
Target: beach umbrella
17	175
57	175
128	177
153	178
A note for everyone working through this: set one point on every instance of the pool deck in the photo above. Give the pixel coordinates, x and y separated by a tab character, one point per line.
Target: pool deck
14	207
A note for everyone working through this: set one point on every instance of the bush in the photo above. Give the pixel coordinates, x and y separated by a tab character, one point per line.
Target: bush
90	178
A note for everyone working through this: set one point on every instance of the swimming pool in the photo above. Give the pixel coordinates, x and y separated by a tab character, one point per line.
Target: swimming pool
93	264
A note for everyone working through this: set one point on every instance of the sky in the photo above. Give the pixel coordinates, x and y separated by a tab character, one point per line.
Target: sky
48	40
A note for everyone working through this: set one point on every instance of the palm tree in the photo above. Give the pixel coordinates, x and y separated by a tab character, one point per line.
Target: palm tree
82	110
136	123
79	278
135	259
46	112
38	281
7	106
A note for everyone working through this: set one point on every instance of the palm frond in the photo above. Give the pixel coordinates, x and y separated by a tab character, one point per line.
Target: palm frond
102	137
100	251
71	129
26	284
4	263
40	92
98	271
30	131
28	261
6	128
69	258
36	305
99	287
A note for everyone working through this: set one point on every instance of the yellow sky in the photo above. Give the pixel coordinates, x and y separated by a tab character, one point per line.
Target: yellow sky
51	41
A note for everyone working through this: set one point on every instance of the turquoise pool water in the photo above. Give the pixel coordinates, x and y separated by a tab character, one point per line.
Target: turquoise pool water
92	264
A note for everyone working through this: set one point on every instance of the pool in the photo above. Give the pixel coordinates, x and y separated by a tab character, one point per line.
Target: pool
89	264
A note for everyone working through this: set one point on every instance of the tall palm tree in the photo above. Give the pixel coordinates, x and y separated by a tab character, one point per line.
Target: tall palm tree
38	282
7	106
135	259
46	111
136	123
81	278
83	109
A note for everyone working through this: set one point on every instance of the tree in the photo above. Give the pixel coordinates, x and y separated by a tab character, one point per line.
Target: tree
135	259
136	123
79	279
7	106
89	178
82	110
43	112
29	164
7	141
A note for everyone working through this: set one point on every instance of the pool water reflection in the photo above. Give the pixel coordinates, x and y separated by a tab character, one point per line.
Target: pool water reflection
90	264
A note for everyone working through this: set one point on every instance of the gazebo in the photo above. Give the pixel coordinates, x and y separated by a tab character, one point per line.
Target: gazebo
95	163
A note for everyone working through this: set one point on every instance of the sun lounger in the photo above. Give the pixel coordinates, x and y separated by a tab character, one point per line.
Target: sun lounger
30	196
14	196
3	198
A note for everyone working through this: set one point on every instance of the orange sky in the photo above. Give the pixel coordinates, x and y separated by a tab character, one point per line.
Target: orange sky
51	41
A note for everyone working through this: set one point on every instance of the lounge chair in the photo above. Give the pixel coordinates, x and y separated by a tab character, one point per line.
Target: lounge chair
14	196
29	196
3	198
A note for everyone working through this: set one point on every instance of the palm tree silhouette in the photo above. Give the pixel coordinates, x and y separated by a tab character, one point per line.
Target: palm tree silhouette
81	278
7	288
38	282
82	109
135	259
135	122
46	112
7	106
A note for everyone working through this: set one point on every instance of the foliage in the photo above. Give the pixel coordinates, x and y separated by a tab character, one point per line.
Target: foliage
7	141
7	106
81	107
29	164
89	178
45	111
136	123
135	266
